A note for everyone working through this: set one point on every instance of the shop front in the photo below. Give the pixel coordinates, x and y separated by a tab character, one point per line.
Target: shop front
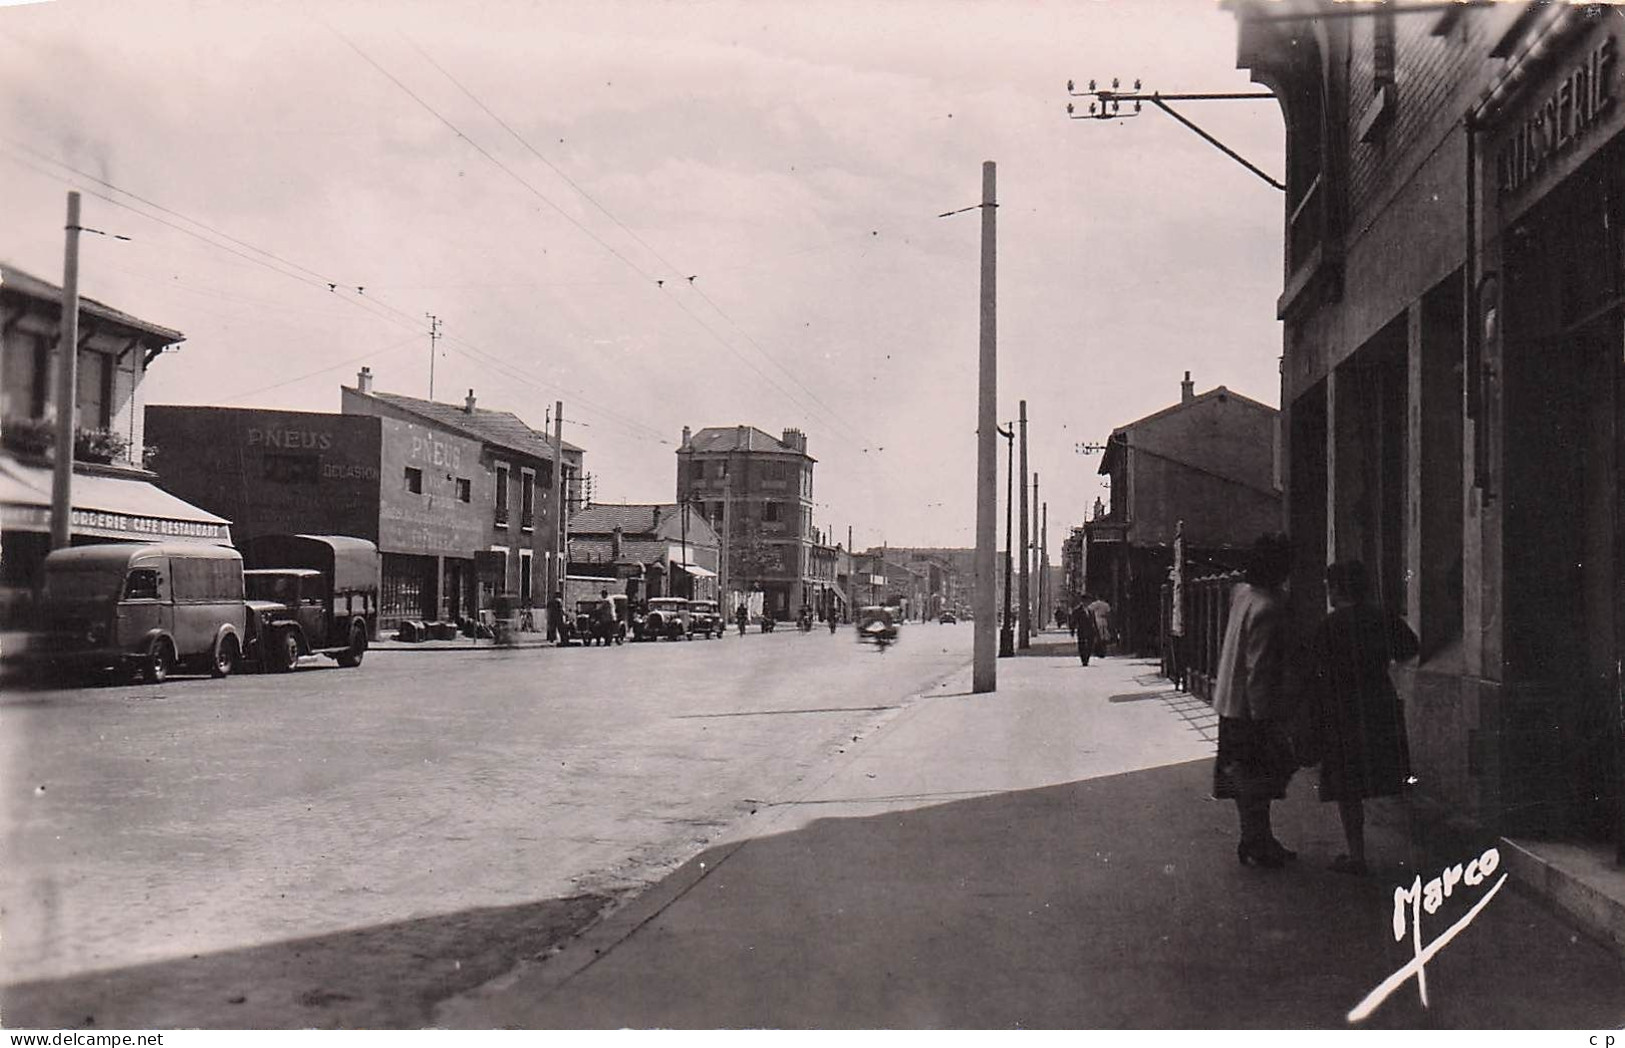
1549	296
109	505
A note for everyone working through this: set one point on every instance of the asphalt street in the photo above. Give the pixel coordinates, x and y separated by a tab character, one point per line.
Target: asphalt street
216	852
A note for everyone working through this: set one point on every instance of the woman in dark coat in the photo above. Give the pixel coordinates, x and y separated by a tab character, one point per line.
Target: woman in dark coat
1360	725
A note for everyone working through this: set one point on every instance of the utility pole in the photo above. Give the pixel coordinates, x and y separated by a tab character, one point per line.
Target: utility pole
1007	629
1035	612
1024	623
434	338
725	597
1044	595
984	672
556	568
67	384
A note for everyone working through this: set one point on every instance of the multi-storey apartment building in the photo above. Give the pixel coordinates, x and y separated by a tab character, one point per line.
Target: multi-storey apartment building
756	490
1452	376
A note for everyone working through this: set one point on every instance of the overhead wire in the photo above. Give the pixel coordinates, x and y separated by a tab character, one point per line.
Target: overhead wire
370	305
640	271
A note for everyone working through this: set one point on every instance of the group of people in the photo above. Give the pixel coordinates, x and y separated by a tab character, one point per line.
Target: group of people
1090	622
1328	700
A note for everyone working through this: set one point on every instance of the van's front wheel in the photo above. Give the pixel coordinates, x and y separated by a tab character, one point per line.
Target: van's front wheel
284	654
159	662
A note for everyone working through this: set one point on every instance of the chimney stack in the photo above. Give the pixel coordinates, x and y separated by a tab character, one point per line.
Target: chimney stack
363	381
688	437
1187	390
794	438
468	405
615	544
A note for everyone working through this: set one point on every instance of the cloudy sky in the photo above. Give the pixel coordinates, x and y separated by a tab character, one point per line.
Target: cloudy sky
545	177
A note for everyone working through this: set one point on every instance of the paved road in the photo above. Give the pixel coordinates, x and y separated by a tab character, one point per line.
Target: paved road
144	827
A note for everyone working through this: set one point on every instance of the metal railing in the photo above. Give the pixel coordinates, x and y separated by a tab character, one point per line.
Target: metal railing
1191	661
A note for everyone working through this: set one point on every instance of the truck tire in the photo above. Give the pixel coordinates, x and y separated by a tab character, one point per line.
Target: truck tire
283	652
353	655
226	654
159	662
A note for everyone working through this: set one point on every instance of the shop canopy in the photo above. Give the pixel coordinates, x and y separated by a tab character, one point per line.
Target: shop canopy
674	557
126	508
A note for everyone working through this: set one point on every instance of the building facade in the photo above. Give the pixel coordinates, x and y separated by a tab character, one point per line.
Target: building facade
650	550
113	496
447	506
1451	378
510	467
1209	461
757	492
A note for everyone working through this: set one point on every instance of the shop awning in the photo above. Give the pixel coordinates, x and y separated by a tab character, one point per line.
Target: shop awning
105	507
674	557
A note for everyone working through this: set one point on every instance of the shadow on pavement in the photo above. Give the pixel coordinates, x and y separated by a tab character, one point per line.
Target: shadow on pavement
388	976
1113	902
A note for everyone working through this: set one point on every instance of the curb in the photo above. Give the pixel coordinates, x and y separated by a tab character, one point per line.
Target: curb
1578	882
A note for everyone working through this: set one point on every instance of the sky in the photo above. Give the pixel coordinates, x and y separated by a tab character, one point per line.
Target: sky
666	213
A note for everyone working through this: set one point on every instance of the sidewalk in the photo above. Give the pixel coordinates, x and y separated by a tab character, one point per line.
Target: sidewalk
1045	856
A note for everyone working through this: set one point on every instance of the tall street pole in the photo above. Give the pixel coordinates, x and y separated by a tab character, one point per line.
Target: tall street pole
1007	629
1023	607
556	568
1044	595
1036	611
984	672
67	384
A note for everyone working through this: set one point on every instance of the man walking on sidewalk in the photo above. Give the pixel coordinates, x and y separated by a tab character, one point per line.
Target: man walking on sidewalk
1086	628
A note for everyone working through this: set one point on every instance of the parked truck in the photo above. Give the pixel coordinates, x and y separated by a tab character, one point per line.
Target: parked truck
309	595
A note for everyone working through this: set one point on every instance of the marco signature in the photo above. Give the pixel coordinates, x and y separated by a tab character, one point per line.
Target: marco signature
1409	902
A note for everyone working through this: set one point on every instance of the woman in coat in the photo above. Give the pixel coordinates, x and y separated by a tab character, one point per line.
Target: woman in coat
1360	725
1255	760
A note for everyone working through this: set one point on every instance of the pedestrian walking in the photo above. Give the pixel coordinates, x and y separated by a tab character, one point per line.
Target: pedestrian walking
555	616
1358	722
741	617
1255	759
1085	632
1101	612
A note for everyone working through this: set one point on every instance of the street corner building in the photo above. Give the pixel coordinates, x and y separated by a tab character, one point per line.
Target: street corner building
757	491
459	499
114	498
1451	378
1205	471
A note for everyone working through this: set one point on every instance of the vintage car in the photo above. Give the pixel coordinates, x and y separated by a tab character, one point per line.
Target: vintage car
707	618
147	607
668	617
310	595
877	625
947	618
591	625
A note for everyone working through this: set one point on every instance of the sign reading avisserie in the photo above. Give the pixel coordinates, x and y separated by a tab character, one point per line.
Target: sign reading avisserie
1560	117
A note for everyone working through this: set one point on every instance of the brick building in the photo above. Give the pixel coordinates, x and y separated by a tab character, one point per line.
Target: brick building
457	498
1210	461
1451	378
757	492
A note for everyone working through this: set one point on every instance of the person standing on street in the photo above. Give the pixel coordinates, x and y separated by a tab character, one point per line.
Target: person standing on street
1359	722
1255	759
1101	612
555	616
1085	623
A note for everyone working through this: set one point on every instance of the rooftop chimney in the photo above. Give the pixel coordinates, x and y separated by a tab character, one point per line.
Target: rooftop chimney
1187	390
794	438
688	436
615	544
363	381
468	405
